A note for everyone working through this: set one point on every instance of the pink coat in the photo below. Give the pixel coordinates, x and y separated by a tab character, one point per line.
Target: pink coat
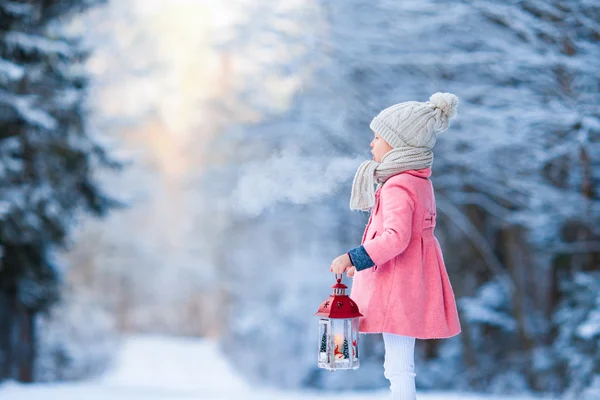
407	292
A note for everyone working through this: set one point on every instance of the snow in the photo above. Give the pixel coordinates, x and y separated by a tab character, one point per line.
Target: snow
489	306
33	114
10	71
591	327
31	43
167	368
15	8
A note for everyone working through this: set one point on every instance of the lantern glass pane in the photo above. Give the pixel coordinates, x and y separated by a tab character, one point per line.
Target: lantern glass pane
341	342
355	338
324	340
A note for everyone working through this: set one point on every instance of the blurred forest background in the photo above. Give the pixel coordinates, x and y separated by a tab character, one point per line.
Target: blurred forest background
217	140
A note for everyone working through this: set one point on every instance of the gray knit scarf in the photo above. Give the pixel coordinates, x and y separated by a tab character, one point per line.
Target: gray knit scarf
393	162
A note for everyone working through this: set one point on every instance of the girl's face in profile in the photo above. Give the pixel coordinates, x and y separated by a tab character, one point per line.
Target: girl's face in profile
380	147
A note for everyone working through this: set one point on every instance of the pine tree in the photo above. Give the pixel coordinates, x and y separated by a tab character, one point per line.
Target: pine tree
47	160
324	342
345	349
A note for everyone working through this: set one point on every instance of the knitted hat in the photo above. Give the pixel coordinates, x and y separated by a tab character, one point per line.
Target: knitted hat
415	124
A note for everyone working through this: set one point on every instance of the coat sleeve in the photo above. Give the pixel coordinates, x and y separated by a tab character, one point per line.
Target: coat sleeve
397	206
360	258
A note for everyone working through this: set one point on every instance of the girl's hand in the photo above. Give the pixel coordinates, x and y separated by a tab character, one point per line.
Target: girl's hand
350	273
341	264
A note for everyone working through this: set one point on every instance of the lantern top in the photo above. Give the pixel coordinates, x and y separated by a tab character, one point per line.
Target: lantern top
339	285
338	304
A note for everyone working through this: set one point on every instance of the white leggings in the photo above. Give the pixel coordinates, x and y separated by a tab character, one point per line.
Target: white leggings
399	365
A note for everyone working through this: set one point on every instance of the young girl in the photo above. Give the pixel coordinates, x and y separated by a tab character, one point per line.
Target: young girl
400	281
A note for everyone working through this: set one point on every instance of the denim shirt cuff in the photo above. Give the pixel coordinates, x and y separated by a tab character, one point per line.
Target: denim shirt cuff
360	258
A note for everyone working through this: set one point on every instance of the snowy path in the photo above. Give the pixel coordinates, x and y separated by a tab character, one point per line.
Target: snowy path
159	368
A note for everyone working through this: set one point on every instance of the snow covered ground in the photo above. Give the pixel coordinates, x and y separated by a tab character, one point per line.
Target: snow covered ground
163	368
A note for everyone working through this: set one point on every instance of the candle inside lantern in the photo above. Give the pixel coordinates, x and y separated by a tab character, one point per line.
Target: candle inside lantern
338	339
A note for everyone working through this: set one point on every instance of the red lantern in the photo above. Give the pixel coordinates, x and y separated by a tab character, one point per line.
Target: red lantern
338	330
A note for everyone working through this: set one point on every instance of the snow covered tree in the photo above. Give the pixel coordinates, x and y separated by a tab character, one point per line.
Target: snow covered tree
345	349
77	339
47	158
577	321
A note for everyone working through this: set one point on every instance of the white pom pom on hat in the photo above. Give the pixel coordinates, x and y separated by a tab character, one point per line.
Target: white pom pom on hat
447	102
414	123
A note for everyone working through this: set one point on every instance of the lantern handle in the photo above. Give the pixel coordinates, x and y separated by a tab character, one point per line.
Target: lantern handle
340	277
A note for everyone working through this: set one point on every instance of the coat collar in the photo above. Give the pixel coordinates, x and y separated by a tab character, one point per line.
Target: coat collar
420	173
